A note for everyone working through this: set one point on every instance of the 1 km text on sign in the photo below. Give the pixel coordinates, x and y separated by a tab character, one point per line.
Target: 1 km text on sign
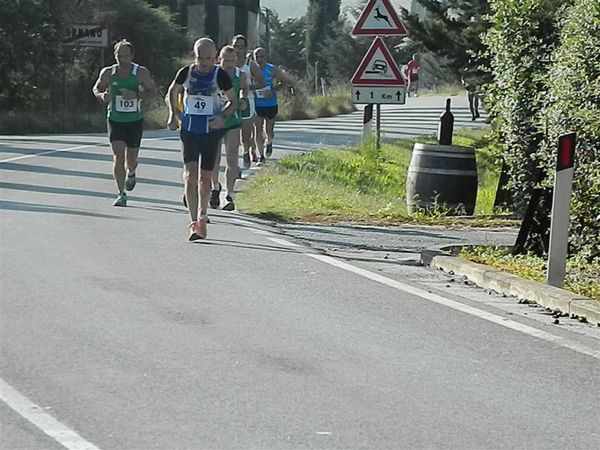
393	95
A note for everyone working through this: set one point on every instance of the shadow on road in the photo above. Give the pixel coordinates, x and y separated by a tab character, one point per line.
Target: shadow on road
20	167
39	208
80	192
237	244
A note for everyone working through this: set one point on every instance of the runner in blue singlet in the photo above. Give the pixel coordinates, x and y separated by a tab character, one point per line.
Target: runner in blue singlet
266	102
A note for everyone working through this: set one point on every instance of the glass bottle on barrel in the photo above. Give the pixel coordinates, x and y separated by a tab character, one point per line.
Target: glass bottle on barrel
446	126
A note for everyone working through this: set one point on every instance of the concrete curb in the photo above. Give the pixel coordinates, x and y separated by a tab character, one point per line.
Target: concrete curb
484	276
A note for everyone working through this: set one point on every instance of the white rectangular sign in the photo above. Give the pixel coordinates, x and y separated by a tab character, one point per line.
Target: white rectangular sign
86	35
378	94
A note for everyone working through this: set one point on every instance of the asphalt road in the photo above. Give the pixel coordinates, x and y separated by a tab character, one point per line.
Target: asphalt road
117	333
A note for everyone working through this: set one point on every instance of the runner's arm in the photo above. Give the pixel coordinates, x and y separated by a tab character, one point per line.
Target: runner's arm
100	88
232	106
259	80
282	77
243	101
175	88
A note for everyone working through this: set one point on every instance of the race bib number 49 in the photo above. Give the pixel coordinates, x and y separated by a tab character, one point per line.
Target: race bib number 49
126	106
200	105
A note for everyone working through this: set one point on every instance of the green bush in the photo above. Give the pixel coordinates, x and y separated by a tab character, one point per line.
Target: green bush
574	96
546	68
520	41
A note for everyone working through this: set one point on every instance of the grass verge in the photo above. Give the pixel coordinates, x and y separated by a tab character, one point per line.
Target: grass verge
361	185
582	278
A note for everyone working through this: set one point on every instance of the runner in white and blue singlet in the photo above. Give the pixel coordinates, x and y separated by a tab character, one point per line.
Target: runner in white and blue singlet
203	85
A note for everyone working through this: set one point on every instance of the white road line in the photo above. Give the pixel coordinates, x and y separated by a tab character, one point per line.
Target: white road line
99	144
45	422
507	323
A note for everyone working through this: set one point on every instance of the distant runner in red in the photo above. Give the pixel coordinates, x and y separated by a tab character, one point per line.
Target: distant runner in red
412	75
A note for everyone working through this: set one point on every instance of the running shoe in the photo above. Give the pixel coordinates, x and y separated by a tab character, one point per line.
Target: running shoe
247	161
215	199
201	228
269	151
130	182
121	199
194	231
229	206
262	159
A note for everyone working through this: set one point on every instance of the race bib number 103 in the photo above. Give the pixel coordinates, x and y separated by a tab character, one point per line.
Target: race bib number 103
126	106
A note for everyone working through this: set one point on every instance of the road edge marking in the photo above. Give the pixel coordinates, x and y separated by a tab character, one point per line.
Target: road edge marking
42	420
441	300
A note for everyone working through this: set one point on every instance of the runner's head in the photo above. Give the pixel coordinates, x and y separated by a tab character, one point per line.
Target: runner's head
260	56
240	43
123	52
227	58
206	52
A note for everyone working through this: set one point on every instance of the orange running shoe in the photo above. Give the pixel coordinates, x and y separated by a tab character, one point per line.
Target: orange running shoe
194	234
201	228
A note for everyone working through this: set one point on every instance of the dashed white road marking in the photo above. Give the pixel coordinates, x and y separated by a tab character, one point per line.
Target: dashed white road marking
498	320
43	421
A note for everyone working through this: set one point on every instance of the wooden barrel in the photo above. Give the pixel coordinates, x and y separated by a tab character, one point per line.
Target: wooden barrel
444	176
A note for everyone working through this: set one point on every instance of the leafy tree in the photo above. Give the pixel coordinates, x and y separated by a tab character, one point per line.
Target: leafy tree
451	29
287	45
158	42
321	18
30	44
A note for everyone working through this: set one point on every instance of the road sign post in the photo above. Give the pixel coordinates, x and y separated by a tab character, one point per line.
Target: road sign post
561	210
367	120
378	80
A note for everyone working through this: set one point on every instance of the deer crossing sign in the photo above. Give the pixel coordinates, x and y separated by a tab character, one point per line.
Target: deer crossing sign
379	18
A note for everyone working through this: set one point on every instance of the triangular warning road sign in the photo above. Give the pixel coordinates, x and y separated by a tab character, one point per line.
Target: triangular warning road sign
378	67
379	18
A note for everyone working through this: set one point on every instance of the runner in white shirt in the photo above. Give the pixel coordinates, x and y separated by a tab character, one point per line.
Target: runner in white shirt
255	81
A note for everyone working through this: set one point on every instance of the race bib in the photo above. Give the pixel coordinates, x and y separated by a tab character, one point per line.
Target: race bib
126	106
262	93
200	105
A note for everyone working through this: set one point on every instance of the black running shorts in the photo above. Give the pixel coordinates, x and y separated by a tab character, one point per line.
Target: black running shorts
128	132
195	146
266	112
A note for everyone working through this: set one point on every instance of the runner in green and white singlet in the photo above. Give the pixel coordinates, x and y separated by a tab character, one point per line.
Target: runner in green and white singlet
231	131
124	87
